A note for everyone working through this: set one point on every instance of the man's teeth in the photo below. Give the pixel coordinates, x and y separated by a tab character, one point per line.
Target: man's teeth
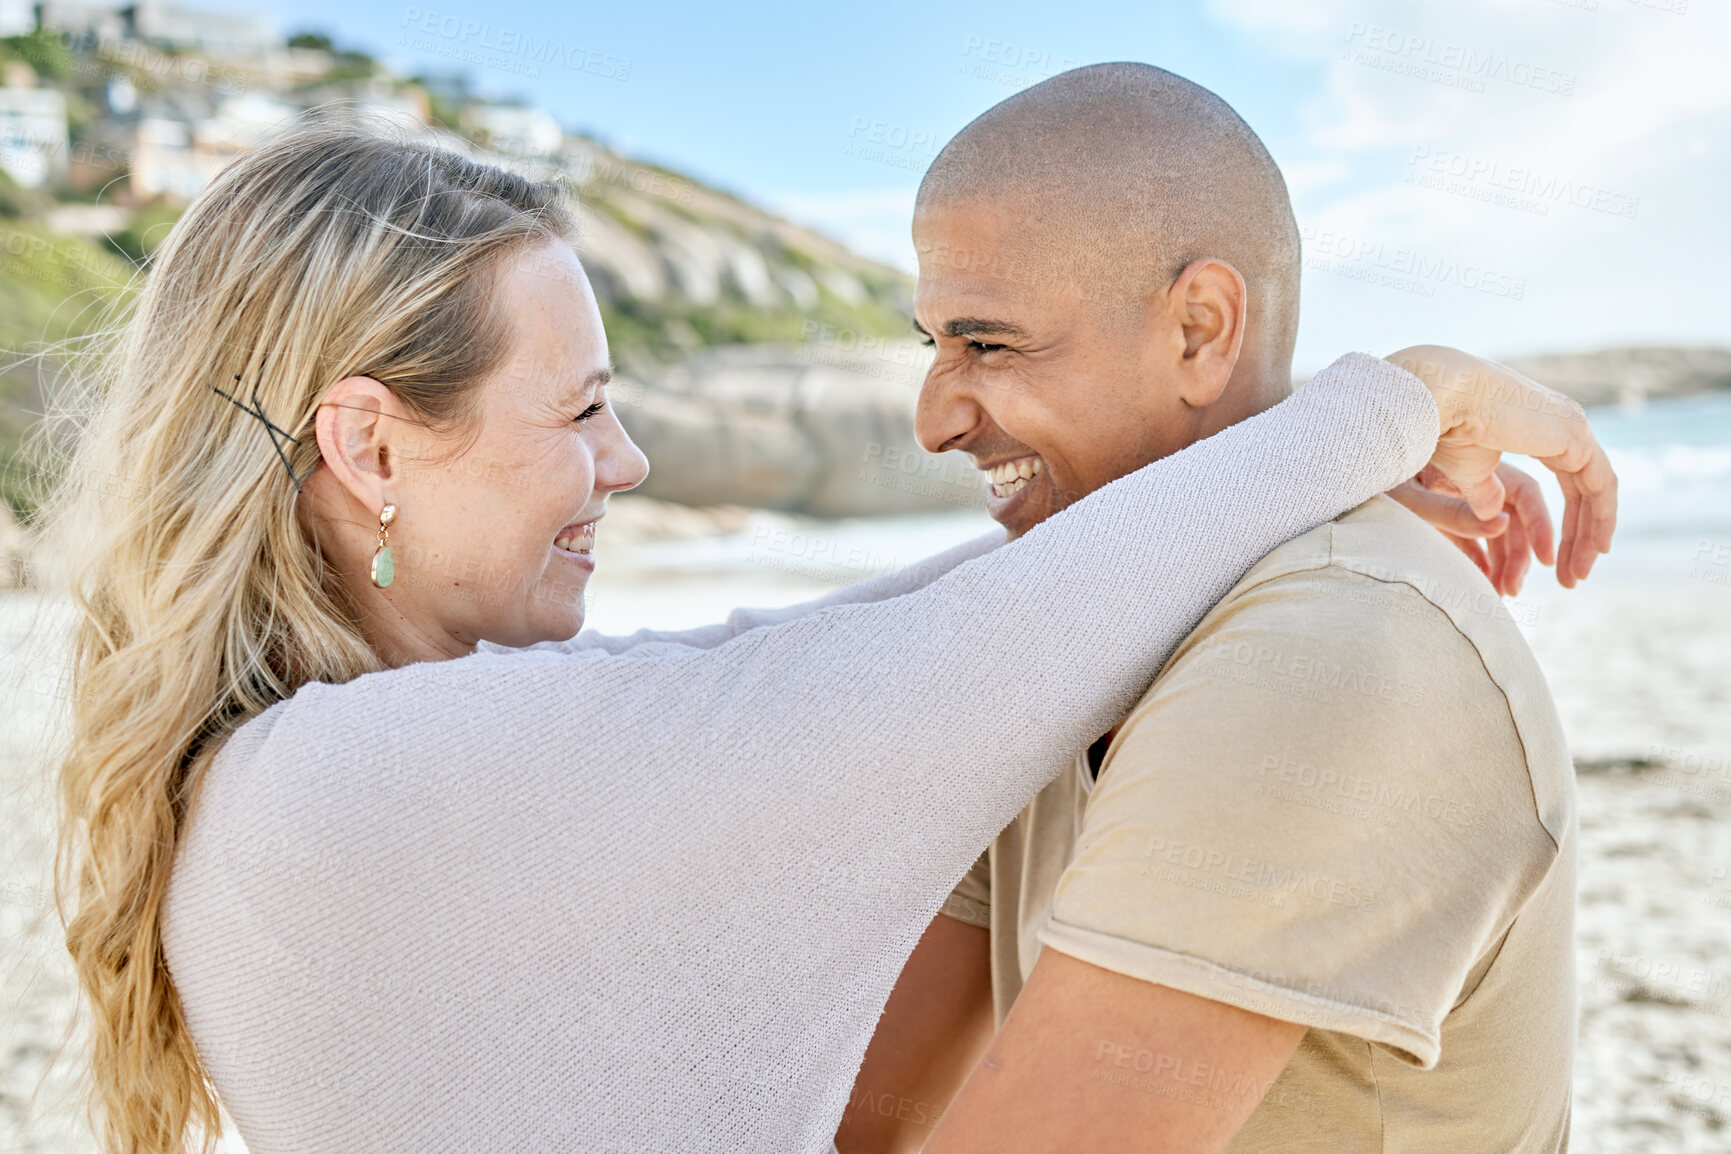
578	540
1011	477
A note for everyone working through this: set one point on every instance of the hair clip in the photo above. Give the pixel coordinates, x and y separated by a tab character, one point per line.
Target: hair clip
271	430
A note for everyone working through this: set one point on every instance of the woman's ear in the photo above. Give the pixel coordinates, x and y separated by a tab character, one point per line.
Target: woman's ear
1210	305
356	425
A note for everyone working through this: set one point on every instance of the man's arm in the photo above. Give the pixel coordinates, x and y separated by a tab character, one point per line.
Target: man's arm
937	1022
1093	1060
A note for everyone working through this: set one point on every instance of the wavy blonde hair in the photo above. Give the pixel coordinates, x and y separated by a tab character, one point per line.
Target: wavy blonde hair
326	253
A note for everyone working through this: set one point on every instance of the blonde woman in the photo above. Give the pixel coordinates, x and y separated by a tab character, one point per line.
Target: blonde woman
365	843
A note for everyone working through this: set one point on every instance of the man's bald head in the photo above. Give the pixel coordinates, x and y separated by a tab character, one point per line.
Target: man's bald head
1126	173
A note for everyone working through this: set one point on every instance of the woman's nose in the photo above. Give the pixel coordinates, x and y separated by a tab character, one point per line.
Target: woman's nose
621	464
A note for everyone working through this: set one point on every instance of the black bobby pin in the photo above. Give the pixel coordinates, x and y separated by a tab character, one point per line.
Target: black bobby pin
270	429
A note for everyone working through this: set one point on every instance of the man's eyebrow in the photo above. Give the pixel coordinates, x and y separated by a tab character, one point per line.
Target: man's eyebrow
978	327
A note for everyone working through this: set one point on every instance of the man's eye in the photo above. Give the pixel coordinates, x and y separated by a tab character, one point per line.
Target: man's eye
983	347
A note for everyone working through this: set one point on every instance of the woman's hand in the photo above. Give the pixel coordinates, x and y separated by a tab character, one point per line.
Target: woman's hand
1511	539
1488	409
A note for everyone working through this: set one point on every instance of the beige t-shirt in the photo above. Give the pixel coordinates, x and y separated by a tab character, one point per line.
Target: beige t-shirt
1345	802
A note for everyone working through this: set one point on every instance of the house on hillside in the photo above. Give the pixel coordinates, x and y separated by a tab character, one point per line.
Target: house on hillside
217	31
33	141
512	129
17	17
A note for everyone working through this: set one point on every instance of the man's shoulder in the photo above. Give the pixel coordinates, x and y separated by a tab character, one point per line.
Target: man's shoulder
1375	609
1378	539
1378	570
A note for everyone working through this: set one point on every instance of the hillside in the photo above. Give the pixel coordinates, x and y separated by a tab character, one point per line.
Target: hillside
679	266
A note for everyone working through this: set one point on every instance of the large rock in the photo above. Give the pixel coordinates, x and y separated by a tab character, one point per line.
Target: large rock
811	429
1629	376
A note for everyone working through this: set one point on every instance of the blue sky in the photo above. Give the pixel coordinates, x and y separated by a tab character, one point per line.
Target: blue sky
1508	175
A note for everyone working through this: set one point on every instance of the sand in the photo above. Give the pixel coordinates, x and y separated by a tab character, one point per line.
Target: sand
1640	663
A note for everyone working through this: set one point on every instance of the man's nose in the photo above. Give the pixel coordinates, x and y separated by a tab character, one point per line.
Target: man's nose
946	412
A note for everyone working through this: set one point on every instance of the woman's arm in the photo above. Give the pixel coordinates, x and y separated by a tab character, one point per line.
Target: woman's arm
879	588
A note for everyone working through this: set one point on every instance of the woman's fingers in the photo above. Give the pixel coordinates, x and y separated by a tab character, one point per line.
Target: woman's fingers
1571	530
1589	516
1468	472
1526	506
1512	556
1510	539
1475	553
1445	513
1486	409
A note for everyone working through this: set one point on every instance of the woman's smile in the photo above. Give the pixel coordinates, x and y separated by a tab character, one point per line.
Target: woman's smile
575	543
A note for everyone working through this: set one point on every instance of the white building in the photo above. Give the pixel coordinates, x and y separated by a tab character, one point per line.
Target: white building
217	31
220	32
176	158
17	17
33	144
513	129
101	22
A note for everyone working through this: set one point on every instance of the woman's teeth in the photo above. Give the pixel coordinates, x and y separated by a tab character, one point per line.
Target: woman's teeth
580	539
1011	477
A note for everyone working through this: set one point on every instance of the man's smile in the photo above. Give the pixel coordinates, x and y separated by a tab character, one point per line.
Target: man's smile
1011	477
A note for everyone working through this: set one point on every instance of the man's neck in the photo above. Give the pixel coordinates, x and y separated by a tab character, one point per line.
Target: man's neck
1255	385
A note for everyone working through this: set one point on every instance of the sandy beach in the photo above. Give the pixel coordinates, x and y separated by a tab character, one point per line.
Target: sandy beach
1639	659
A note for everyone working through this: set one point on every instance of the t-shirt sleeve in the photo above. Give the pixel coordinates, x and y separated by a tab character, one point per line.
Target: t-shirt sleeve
1321	812
971	900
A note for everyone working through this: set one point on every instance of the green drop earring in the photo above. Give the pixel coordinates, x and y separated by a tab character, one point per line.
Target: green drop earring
383	567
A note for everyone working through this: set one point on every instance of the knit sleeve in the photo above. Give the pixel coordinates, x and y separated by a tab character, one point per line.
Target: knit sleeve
881	587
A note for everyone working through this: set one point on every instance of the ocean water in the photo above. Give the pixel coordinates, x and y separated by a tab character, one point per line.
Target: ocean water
1673	461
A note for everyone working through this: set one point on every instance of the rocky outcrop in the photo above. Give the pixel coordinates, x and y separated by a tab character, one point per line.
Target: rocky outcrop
1632	375
812	429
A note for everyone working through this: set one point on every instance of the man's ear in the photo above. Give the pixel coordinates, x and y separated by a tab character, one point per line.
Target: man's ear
354	428
1208	306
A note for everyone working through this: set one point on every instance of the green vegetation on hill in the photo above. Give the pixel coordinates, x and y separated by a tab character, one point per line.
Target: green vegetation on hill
53	290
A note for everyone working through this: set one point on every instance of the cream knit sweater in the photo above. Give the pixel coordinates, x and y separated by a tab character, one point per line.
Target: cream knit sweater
650	894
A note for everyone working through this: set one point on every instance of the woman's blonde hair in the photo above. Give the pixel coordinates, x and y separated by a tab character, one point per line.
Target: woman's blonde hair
325	253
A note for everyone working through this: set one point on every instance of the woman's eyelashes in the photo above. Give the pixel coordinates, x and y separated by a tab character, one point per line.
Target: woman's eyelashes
591	411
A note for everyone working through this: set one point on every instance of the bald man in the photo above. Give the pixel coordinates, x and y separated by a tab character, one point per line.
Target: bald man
1316	892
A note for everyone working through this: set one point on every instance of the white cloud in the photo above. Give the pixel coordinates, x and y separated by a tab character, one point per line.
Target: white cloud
1648	99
